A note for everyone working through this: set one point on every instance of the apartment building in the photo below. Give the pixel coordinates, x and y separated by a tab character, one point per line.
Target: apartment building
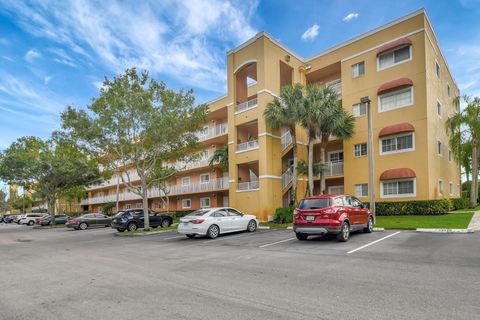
401	68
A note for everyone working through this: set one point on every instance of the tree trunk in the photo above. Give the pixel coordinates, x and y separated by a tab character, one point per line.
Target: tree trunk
474	185
51	203
295	164
310	166
145	207
323	162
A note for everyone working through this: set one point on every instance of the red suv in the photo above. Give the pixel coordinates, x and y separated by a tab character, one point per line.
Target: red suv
335	214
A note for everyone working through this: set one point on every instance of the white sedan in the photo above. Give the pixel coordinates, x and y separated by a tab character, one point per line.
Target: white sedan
214	221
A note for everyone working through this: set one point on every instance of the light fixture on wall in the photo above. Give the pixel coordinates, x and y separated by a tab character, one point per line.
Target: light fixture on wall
287	58
305	67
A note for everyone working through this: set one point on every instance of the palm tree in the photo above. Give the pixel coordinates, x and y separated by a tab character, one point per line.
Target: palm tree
220	156
469	119
323	116
283	112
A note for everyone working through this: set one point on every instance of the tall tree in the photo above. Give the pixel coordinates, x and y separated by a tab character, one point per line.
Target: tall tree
138	124
50	167
73	195
3	201
283	112
323	116
220	156
464	128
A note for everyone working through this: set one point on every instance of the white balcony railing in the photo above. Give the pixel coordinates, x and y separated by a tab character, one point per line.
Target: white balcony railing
336	85
253	144
286	139
246	105
251	185
214	131
333	169
113	181
183	165
212	185
287	177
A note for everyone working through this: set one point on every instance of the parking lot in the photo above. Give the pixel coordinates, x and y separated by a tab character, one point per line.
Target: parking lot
92	274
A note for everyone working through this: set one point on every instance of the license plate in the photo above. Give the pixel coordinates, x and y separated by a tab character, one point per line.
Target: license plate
310	218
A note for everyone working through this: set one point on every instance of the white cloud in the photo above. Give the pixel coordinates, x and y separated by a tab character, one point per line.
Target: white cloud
32	54
46	80
311	33
349	17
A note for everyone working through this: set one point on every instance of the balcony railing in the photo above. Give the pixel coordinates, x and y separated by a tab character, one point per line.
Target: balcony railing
214	131
287	177
183	165
286	139
251	185
333	169
212	185
253	144
246	105
113	181
336	85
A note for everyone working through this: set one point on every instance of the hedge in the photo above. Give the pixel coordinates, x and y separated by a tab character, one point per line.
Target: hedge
283	215
417	208
460	203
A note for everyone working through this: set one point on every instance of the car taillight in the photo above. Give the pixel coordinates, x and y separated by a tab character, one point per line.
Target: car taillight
330	210
72	221
296	214
198	221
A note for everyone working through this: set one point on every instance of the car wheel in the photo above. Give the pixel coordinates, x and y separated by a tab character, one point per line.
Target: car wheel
344	232
191	236
120	230
83	226
301	236
213	231
252	226
166	223
132	226
369	228
31	223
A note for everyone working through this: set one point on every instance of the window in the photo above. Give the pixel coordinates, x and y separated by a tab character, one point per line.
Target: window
449	155
359	109
440	187
437	69
128	206
394	57
335	156
450	188
205	202
233	213
398	188
186	203
439	148
219	213
185	181
396	99
448	89
203	154
361	190
339	201
204	178
358	69
398	143
360	150
439	108
138	205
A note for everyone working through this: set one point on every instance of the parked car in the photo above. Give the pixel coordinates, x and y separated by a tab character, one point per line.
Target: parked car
29	218
18	218
59	219
89	220
215	221
1	219
9	219
331	214
132	219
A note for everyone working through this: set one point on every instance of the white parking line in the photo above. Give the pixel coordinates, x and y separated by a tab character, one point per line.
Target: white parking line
373	242
274	243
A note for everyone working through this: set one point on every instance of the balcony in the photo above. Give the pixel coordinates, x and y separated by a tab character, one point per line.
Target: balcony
287	177
251	185
249	145
286	139
333	169
212	132
184	165
113	181
244	106
336	85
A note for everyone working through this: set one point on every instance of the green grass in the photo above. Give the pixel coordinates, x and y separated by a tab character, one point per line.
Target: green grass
457	220
274	225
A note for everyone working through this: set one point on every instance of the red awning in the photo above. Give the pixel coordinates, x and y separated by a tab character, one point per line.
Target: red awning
399	173
396	128
394	44
402	82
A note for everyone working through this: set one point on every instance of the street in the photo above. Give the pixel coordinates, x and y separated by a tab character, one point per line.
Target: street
92	274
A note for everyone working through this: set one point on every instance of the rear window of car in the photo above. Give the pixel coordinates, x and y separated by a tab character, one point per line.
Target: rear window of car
314	203
198	213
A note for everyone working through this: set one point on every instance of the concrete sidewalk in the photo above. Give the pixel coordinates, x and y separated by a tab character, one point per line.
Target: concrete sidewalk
475	222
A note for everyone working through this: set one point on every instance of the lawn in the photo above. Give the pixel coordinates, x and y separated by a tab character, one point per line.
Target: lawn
457	220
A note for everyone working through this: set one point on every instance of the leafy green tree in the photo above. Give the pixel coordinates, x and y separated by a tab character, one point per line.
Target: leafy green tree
463	129
302	170
220	156
3	202
108	207
51	166
74	194
21	203
283	112
138	124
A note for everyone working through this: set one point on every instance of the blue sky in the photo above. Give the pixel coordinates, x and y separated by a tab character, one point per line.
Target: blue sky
56	53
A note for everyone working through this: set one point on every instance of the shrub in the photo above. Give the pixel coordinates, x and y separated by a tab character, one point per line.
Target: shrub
182	213
418	208
284	215
460	203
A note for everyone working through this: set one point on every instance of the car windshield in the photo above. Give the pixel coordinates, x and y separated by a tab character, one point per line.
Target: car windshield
198	213
314	203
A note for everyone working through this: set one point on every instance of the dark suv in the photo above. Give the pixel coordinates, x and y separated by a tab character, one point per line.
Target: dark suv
336	214
132	219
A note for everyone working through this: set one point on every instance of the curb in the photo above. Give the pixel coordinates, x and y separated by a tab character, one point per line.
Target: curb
118	234
289	228
379	229
263	228
444	230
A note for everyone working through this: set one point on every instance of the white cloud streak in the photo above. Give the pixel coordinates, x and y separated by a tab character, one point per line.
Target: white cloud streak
349	17
32	54
311	33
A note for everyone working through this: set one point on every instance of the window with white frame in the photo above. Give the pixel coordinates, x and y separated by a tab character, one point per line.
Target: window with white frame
203	154
138	205
440	187
128	206
361	190
358	69
394	57
360	150
450	188
448	89
398	188
437	69
205	202
396	99
204	178
359	109
439	108
186	203
439	148
398	143
449	155
185	181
